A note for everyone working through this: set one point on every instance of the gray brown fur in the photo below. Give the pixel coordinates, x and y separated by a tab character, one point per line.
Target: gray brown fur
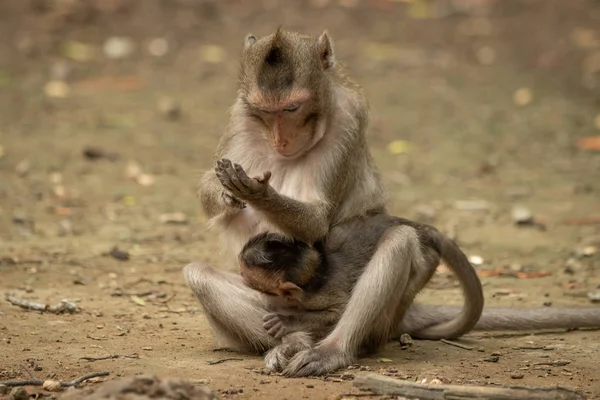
329	180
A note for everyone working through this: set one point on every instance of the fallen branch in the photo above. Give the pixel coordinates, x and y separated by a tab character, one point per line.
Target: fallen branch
40	382
222	360
384	385
455	344
107	357
63	306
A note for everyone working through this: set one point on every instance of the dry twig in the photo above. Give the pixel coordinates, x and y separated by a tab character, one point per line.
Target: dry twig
455	344
384	385
63	306
40	382
222	360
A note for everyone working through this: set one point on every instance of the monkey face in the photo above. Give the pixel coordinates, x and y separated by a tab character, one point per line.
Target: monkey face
290	121
284	88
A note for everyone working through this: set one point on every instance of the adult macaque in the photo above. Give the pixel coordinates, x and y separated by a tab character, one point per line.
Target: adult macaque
308	286
298	124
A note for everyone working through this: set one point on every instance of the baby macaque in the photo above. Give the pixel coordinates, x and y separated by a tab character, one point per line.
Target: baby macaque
308	286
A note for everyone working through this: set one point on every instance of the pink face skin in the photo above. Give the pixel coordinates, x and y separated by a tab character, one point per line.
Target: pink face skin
280	294
285	121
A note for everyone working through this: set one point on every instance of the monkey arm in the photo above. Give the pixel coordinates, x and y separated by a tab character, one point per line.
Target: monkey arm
305	221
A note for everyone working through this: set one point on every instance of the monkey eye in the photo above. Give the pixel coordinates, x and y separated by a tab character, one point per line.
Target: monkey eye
292	107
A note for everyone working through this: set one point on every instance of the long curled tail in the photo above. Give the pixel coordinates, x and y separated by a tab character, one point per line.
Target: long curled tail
466	319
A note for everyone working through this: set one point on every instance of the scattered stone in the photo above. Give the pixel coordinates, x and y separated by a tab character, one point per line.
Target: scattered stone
476	260
96	153
572	266
145	179
493	359
119	254
522	216
3	389
52	386
589	251
169	108
158	47
118	47
523	96
594	296
23	168
174	218
516	375
18	393
20	218
405	340
56	89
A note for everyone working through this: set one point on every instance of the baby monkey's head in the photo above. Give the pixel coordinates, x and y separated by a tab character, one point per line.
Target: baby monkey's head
277	265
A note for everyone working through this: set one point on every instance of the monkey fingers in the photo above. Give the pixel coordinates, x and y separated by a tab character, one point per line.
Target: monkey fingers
274	324
319	360
227	176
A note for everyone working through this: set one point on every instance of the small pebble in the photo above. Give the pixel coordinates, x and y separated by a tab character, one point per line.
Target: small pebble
56	89
406	340
118	47
492	359
517	375
52	386
18	393
476	260
521	215
169	108
594	296
158	47
523	96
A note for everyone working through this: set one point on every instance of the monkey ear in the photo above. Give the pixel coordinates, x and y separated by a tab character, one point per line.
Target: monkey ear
289	289
249	41
325	46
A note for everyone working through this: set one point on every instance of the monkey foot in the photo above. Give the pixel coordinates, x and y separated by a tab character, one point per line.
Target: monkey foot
320	360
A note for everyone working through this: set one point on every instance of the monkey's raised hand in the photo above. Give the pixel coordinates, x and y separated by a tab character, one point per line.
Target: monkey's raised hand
234	179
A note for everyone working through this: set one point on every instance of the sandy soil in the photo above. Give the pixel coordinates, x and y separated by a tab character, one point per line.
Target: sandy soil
62	213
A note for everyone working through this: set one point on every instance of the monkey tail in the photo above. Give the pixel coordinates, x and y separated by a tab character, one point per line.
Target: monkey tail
472	289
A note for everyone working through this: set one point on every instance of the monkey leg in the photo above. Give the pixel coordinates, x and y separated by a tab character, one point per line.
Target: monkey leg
233	310
373	311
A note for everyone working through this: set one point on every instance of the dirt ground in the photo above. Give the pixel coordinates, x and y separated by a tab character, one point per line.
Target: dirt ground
491	103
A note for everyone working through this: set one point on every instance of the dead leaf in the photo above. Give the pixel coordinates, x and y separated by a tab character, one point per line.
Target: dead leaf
523	96
399	147
78	51
138	300
63	211
589	143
